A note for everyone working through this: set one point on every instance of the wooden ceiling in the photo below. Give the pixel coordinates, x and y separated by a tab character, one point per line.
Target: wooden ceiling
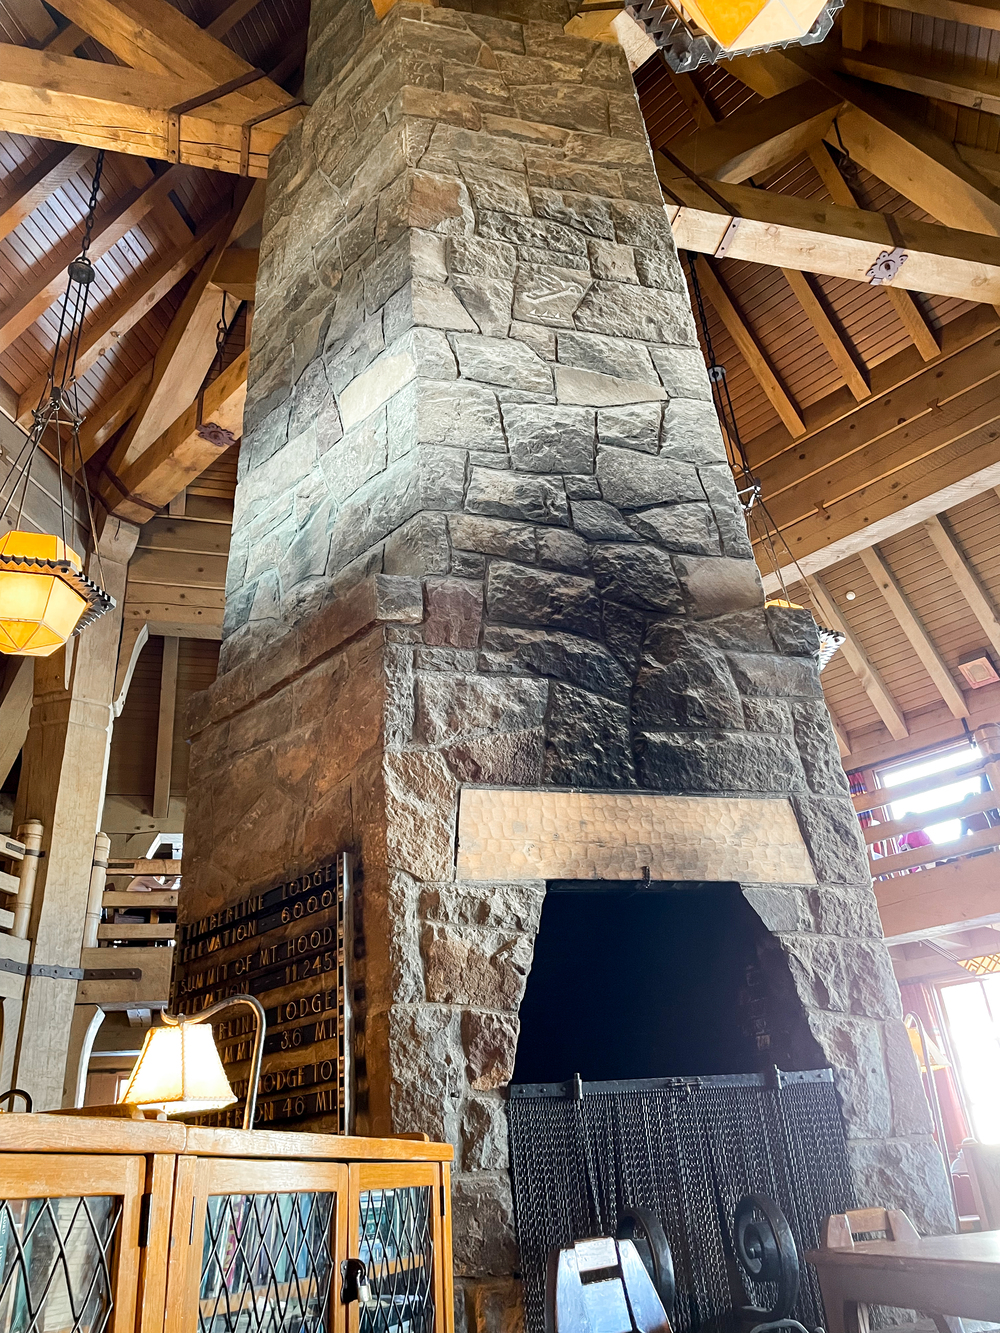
864	410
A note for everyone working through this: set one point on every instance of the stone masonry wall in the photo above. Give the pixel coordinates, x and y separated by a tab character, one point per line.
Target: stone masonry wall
485	533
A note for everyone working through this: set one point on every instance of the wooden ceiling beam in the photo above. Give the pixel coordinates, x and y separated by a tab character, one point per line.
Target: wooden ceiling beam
880	134
108	325
978	14
114	221
185	353
895	68
192	444
892	417
749	347
65	41
966	578
781	230
125	110
236	273
902	455
153	36
763	138
841	353
230	16
909	622
859	662
102	423
23	196
910	314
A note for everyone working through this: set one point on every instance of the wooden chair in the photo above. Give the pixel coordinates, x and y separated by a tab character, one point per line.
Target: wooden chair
839	1231
982	1161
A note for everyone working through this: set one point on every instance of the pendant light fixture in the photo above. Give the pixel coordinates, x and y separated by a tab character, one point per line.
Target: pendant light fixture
44	594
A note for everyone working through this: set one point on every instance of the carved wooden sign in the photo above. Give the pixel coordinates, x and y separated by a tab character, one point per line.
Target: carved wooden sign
284	946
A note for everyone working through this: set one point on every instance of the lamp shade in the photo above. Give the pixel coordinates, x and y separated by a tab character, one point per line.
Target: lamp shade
179	1070
41	601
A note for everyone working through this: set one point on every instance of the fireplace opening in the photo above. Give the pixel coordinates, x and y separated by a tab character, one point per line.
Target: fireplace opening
653	980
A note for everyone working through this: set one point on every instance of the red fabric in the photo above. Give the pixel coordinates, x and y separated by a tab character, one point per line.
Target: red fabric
916	838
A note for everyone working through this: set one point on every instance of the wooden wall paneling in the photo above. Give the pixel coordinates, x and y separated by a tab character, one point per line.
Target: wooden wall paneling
197	668
132	762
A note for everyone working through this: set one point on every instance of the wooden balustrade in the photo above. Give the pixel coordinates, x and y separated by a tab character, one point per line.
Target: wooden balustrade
138	916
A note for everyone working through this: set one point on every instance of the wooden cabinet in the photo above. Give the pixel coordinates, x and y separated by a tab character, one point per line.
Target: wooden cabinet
149	1227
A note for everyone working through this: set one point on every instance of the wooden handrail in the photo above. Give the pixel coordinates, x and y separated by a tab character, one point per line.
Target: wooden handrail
941	851
144	867
140	898
874	800
970	805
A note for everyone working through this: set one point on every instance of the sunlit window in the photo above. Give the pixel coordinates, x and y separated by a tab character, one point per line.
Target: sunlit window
973	1010
945	830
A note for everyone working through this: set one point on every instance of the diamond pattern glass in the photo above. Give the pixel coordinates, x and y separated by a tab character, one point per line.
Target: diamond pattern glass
55	1264
396	1244
266	1263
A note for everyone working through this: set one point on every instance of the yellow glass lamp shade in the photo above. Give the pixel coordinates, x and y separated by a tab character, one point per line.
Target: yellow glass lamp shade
41	601
179	1071
937	1060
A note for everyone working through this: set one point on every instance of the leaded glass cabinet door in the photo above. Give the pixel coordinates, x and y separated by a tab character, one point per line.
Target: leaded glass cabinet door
256	1247
397	1231
69	1243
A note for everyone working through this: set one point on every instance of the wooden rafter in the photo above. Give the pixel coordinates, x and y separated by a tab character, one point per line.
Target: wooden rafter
901	301
909	622
750	348
21	198
830	335
49	282
898	69
756	141
966	578
112	323
114	107
185	450
781	230
982	15
859	661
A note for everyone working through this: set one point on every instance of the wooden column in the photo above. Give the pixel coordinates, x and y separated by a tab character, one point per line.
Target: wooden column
63	773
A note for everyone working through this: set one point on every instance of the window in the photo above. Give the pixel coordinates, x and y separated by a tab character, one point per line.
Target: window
973	1013
950	791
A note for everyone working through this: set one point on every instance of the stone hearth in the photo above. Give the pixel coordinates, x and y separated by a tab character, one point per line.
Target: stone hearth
491	603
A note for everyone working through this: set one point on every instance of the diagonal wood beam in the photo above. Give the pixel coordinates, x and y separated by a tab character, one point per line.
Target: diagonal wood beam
104	421
763	138
114	107
909	622
859	662
109	324
978	15
750	349
183	451
779	229
230	16
893	68
23	196
153	36
910	314
966	578
114	221
183	352
831	337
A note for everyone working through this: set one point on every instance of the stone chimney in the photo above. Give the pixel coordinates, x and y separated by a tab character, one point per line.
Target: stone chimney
488	561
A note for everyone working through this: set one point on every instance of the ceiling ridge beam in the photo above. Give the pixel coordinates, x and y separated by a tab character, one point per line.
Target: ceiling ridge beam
910	623
859	661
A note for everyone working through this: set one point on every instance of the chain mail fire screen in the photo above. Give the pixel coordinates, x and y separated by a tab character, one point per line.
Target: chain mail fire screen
688	1149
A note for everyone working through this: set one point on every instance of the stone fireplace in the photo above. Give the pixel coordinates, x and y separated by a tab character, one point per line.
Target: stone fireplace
492	618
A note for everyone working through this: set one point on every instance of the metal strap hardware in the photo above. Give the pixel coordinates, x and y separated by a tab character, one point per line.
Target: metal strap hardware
727	237
174	113
248	126
52	970
886	266
112	974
